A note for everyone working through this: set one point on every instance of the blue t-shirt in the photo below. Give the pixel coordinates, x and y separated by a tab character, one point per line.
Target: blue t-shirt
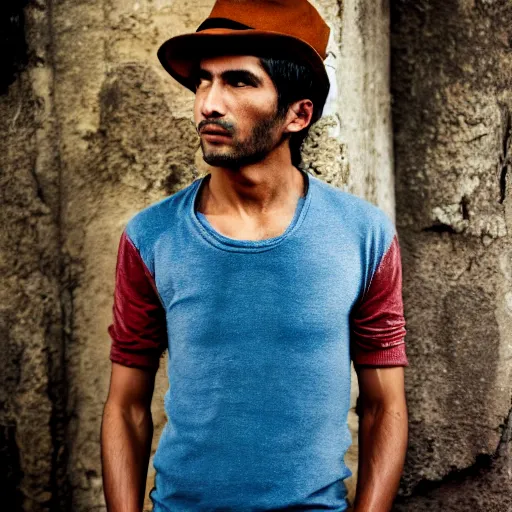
259	339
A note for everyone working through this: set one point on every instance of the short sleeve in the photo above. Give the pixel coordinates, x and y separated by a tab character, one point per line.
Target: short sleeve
377	320
138	330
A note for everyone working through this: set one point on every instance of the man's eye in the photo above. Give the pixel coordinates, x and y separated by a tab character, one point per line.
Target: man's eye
198	82
239	83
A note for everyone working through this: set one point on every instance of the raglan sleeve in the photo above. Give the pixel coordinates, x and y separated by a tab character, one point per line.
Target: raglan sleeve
378	331
138	330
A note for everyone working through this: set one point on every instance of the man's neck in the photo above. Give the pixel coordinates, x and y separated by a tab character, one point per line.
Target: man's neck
252	191
253	224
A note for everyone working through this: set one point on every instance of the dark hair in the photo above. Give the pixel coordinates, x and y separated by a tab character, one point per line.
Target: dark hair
294	81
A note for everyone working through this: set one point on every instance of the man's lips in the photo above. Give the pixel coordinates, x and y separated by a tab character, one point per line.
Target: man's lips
214	130
215	134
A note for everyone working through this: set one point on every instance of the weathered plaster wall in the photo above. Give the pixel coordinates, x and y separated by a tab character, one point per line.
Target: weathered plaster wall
452	105
30	311
365	113
32	304
95	131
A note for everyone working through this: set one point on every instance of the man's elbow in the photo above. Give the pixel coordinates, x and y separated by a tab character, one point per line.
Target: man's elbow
136	414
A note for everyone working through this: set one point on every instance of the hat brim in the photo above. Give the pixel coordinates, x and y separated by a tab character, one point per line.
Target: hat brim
178	54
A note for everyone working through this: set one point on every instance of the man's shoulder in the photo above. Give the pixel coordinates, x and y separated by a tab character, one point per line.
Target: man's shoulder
147	224
359	213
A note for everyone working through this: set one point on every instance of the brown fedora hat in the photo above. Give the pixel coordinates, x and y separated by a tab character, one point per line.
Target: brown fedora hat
290	29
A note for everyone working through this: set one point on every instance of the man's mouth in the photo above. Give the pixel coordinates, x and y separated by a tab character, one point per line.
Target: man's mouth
214	134
215	130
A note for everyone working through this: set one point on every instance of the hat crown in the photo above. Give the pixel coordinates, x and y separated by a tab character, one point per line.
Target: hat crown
284	29
296	18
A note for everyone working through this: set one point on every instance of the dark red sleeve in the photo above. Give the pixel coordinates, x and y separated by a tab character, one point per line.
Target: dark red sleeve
138	330
377	323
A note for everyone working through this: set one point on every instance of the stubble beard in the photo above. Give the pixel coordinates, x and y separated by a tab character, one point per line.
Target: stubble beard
255	149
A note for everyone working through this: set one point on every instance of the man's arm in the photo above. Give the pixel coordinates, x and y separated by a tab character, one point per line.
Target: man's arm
383	427
126	435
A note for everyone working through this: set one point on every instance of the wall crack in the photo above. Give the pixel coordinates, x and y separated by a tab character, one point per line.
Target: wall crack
505	158
483	465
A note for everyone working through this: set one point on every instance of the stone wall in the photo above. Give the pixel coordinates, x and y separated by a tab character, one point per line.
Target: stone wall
452	105
95	130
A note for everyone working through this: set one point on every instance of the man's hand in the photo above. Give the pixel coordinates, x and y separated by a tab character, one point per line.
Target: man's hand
382	437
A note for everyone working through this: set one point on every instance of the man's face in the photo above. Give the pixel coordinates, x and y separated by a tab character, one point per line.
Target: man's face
236	95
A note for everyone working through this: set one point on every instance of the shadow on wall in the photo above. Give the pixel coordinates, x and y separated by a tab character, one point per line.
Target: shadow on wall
13	52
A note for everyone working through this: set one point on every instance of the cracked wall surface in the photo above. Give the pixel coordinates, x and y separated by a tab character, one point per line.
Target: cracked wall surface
452	100
32	315
95	131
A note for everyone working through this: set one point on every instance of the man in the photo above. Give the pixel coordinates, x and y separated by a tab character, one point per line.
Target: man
263	282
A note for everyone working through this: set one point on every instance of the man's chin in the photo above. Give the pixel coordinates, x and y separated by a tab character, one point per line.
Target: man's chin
226	161
231	161
218	160
218	157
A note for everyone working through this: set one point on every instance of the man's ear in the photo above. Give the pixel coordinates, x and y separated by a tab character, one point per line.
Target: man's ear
299	116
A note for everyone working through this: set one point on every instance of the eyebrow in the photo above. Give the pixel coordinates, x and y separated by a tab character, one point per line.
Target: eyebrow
232	75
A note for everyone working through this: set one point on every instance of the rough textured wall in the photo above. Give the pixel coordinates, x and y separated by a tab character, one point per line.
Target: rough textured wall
33	306
30	312
452	106
365	113
95	130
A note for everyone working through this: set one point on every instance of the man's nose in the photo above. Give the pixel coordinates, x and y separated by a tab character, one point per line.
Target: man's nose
212	101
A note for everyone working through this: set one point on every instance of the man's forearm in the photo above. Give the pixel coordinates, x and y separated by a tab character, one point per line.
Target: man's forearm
382	448
125	450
